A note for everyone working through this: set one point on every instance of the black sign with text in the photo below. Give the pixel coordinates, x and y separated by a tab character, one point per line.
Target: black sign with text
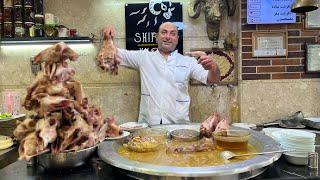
144	19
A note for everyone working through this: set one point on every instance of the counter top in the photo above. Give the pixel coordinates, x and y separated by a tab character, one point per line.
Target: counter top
97	169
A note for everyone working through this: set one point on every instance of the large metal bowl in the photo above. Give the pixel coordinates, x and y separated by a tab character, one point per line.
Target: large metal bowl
64	160
240	170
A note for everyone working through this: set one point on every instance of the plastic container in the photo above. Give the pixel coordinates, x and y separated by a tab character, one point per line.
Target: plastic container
30	29
28	14
7	14
235	112
39	19
38	6
28	2
7	29
17	13
18	29
38	30
17	2
7	3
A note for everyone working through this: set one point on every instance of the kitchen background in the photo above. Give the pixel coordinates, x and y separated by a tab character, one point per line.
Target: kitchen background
268	88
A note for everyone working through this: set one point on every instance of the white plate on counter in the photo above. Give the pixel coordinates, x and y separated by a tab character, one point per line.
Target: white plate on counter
123	134
133	126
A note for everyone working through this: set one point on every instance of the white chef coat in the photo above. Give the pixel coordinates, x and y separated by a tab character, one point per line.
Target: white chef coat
164	84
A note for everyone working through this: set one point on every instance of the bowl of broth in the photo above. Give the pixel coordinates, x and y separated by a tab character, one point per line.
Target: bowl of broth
232	139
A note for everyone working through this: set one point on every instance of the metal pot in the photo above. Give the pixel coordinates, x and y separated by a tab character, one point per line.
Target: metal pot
240	170
63	160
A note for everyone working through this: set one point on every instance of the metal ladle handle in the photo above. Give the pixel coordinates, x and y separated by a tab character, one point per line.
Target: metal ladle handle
269	152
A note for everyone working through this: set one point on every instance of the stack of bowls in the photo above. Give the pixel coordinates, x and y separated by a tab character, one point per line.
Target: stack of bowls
299	144
302	142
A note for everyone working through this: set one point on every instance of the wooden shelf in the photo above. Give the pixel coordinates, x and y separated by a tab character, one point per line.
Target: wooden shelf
44	40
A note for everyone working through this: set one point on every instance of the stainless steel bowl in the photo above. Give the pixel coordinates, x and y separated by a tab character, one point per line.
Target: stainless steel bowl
66	159
185	134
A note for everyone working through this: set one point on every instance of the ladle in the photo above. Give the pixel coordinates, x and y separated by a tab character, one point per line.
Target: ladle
226	155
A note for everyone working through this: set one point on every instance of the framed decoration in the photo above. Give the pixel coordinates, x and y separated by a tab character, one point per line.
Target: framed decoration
269	44
226	63
312	20
312	58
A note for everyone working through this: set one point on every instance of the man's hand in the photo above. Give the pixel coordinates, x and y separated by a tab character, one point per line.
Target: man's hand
206	62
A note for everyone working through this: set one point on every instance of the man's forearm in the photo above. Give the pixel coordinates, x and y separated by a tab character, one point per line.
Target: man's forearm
213	75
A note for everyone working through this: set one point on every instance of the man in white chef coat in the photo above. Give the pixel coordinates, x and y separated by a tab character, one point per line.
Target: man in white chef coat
164	75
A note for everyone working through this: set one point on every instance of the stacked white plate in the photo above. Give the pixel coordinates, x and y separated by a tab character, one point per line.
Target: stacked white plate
301	142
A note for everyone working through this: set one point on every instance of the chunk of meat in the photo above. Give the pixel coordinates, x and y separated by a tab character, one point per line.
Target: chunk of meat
57	53
204	144
47	129
24	128
223	125
31	146
107	56
114	129
209	125
77	133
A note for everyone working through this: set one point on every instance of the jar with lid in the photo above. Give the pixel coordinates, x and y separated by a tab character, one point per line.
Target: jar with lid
28	2
28	14
18	13
7	14
18	29
7	3
7	29
1	15
17	2
39	31
38	6
30	29
39	19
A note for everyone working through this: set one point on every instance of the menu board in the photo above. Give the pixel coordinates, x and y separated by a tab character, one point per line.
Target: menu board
270	12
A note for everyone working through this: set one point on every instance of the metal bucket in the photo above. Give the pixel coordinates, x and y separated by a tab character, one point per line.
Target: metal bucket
65	160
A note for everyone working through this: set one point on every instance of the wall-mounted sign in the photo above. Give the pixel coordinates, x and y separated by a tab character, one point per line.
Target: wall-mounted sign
269	44
312	20
312	58
270	12
144	19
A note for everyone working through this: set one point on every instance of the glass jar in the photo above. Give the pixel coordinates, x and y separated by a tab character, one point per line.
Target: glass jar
1	30
30	29
28	14
38	6
39	19
1	15
7	14
18	29
17	2
28	2
7	29
38	30
18	13
7	3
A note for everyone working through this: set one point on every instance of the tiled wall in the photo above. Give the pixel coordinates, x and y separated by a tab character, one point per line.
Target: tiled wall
261	100
116	95
290	67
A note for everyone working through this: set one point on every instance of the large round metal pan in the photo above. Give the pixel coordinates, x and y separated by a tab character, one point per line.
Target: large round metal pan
108	152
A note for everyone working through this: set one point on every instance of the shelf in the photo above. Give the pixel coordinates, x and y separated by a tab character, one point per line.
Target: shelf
43	40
